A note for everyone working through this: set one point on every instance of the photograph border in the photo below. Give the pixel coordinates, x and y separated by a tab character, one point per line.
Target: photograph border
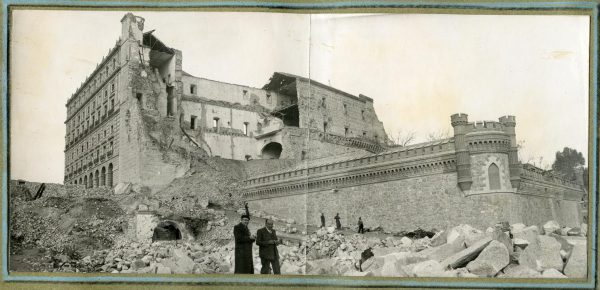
428	7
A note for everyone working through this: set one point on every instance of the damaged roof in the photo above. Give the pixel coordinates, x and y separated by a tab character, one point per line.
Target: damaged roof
281	79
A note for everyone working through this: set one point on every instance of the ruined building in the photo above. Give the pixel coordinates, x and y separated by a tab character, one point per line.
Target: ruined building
140	118
138	109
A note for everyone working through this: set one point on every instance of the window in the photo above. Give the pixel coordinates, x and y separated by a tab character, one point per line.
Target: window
346	132
362	114
324	126
215	122
193	89
112	87
246	128
323	102
303	156
364	133
345	109
494	176
268	98
193	122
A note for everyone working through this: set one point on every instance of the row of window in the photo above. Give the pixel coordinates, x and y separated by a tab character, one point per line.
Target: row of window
95	156
80	125
324	105
87	146
216	124
193	91
103	74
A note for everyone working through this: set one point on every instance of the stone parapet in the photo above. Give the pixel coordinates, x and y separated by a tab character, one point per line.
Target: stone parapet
372	169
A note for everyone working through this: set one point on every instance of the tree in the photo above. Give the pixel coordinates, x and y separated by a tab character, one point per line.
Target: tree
402	138
568	163
438	135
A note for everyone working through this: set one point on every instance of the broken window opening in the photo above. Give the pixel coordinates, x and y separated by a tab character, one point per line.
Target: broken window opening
193	122
362	114
325	127
246	128
215	122
345	109
193	89
271	151
323	102
346	132
303	155
171	101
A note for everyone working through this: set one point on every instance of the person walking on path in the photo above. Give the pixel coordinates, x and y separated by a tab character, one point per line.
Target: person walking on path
322	220
361	226
267	241
338	224
243	245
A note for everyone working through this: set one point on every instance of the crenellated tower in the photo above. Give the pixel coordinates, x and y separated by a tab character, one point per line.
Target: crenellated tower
463	161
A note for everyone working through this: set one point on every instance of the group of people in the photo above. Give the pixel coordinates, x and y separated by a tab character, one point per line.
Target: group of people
267	241
338	224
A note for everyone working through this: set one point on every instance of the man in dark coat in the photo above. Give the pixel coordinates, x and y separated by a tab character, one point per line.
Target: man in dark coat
338	224
267	241
322	220
361	226
243	246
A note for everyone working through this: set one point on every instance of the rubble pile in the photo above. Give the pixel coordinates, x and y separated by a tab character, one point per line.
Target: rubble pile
505	251
173	257
66	226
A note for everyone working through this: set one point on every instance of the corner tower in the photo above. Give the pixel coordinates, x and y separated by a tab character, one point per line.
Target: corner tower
463	161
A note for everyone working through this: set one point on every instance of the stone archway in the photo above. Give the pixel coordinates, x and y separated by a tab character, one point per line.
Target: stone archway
96	178
271	151
166	231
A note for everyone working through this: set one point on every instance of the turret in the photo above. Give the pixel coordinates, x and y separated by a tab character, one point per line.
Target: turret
509	123
132	27
463	162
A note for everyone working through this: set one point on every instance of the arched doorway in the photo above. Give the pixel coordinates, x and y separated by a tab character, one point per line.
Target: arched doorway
166	231
109	176
96	178
85	181
103	177
271	151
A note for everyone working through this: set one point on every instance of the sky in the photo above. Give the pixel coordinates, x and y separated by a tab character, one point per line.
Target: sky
418	68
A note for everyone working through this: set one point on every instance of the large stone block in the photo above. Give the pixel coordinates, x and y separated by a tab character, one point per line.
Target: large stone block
490	261
576	266
551	227
444	251
465	256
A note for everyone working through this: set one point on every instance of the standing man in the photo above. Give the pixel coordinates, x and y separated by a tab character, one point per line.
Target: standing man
267	241
243	246
322	220
338	224
361	226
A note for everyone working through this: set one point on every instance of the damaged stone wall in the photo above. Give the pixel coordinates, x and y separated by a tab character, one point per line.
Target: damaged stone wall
232	93
358	114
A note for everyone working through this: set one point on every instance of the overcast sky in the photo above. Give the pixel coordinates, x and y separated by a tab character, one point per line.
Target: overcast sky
418	68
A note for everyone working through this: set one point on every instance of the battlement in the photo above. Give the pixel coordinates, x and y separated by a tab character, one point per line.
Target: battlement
508	121
485	126
459	119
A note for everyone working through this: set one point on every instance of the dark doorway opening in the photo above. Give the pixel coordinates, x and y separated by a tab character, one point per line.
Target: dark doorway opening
166	231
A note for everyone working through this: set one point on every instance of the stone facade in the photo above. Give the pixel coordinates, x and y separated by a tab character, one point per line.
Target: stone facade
421	185
139	117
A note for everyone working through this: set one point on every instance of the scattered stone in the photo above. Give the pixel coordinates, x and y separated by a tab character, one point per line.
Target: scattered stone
529	234
519	271
551	227
576	266
406	241
491	260
553	273
574	232
444	251
463	257
517	227
438	239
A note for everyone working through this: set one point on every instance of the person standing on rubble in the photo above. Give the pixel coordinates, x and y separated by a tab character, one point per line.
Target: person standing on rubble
243	245
267	241
322	220
338	224
361	226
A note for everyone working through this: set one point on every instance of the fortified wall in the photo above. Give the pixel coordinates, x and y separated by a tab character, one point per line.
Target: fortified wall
470	178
